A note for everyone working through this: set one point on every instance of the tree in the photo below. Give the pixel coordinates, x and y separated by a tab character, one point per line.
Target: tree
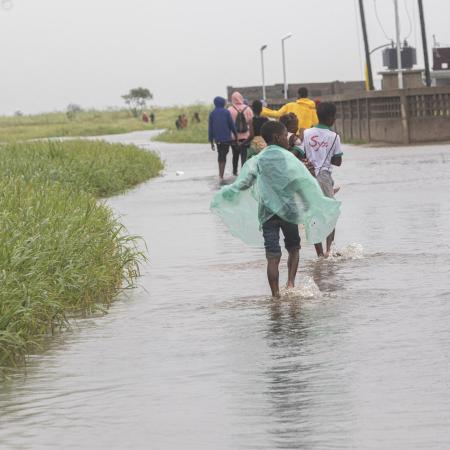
72	110
136	99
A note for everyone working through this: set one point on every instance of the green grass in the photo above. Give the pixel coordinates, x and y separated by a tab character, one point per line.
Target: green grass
62	253
89	123
97	167
97	123
194	133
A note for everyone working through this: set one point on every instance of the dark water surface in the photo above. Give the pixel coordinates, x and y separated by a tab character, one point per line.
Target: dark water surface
200	358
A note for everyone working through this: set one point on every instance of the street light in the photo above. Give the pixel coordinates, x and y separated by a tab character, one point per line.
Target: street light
262	72
284	64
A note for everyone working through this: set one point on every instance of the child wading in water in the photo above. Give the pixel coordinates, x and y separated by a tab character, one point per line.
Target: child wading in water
323	149
257	143
290	121
275	192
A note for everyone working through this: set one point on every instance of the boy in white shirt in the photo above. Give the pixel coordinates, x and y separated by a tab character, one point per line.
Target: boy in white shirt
323	149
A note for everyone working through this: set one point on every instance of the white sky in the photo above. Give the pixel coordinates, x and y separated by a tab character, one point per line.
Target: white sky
90	52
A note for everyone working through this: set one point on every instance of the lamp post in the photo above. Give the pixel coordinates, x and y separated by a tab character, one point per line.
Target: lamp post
284	64
262	72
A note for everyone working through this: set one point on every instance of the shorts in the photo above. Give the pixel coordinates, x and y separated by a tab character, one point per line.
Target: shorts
222	151
326	183
271	233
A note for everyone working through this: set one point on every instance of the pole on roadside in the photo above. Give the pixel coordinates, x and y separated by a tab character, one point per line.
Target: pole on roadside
366	46
424	45
262	72
399	50
284	65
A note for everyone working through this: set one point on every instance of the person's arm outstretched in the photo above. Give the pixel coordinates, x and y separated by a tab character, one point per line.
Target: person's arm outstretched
267	112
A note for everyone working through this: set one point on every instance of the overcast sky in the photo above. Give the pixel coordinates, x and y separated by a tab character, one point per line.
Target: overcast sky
90	52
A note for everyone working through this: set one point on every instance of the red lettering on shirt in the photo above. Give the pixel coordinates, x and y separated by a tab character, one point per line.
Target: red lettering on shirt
315	145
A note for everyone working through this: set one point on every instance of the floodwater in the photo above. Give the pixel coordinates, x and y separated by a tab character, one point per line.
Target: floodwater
200	358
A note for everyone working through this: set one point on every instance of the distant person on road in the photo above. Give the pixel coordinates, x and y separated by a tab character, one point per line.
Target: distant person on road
323	148
242	116
257	143
183	121
304	108
152	117
196	117
178	123
221	132
145	117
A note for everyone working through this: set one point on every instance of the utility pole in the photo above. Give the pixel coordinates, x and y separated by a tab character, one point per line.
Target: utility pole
424	45
399	50
262	72
366	45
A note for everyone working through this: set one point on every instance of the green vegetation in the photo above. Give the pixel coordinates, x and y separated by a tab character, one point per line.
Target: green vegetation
136	99
194	133
60	124
97	167
76	122
62	253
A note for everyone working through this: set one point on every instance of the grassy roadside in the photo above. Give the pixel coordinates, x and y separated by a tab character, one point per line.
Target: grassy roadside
96	123
61	251
195	133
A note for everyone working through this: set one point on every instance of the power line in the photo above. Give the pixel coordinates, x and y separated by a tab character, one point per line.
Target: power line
409	19
379	21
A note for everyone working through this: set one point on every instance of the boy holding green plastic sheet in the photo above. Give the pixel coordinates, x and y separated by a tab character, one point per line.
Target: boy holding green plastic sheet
276	192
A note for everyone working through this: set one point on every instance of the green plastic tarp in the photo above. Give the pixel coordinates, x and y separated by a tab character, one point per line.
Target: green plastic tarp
272	183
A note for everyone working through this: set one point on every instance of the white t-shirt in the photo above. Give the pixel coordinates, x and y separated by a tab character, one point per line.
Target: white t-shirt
320	145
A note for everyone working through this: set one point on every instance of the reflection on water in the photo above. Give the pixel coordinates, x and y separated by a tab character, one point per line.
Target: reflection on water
201	358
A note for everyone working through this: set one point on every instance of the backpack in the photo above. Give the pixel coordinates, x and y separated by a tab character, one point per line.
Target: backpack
241	121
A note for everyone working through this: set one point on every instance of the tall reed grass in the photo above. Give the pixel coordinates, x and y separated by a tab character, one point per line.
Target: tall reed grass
62	252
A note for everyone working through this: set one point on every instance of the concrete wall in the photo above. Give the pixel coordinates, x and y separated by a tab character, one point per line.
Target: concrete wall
275	94
396	116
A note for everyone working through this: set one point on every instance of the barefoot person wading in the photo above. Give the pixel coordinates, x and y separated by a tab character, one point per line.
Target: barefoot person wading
323	149
274	192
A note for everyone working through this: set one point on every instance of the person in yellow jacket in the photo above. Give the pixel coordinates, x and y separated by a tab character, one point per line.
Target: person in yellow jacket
304	108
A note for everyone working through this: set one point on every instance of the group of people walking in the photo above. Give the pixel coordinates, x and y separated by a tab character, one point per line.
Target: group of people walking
287	165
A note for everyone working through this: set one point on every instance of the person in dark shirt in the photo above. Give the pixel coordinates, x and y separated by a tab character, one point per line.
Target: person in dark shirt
221	132
257	143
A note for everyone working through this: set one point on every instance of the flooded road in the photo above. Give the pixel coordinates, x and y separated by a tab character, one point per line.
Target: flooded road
201	358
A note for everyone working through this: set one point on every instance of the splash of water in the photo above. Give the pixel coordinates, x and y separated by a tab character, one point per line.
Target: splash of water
351	251
306	288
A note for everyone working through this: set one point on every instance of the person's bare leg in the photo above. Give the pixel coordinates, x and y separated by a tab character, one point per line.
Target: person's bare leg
292	263
221	169
330	240
319	249
273	275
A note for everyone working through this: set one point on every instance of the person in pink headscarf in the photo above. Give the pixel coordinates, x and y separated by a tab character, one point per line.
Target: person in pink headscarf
242	116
